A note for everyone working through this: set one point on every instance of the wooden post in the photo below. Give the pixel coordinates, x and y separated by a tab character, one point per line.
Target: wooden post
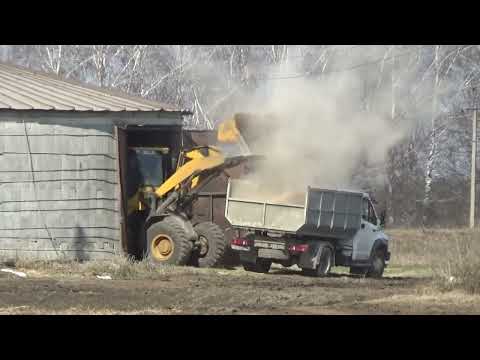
473	167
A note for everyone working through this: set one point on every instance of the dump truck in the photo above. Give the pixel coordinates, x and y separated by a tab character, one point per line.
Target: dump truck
315	230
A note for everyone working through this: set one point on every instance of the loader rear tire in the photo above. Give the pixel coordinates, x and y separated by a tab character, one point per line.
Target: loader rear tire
212	245
167	243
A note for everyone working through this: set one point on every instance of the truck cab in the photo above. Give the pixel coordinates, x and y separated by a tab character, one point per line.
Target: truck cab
368	243
369	232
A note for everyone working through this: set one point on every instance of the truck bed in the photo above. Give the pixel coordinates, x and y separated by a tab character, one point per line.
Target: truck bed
323	212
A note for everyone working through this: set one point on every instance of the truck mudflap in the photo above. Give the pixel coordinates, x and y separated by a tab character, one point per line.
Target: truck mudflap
248	256
311	258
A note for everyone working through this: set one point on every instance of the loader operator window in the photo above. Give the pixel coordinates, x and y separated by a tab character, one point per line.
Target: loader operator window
150	164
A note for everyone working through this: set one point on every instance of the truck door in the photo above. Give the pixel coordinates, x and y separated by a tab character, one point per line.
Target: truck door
366	235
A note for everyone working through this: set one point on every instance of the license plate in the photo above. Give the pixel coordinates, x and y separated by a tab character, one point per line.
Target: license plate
240	248
269	245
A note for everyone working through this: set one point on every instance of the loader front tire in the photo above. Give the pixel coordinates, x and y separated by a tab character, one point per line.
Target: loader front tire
167	243
211	245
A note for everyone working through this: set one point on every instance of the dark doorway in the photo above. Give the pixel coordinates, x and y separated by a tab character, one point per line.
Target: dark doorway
147	156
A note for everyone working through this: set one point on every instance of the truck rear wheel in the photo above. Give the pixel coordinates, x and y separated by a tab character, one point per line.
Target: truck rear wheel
167	243
211	245
260	266
324	265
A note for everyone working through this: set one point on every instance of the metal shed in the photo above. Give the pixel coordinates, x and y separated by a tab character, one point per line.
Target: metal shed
63	147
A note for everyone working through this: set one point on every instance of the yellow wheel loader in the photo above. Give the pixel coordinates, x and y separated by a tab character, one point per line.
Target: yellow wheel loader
169	235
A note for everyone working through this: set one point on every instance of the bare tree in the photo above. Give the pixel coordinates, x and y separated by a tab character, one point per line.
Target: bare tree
424	86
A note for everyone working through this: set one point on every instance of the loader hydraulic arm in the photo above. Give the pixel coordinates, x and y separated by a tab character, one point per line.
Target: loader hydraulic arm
200	166
195	168
195	161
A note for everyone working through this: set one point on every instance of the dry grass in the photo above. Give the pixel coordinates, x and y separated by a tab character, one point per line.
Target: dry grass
414	247
453	255
117	268
460	266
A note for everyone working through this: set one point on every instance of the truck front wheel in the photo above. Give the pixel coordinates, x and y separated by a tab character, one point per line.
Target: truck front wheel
260	266
377	267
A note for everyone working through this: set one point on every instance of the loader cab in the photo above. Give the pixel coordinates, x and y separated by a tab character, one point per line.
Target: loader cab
151	165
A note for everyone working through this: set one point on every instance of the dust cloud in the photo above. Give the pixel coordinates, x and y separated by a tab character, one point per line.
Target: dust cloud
317	134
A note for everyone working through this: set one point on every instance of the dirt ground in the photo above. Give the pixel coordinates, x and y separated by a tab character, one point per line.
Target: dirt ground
222	291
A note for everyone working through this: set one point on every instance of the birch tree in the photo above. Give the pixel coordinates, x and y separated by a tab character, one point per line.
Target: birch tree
424	86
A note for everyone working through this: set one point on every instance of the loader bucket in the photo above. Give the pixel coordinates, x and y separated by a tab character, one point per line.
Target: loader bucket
244	131
228	132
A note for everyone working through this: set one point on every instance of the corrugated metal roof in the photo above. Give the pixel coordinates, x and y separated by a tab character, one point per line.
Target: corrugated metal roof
22	89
